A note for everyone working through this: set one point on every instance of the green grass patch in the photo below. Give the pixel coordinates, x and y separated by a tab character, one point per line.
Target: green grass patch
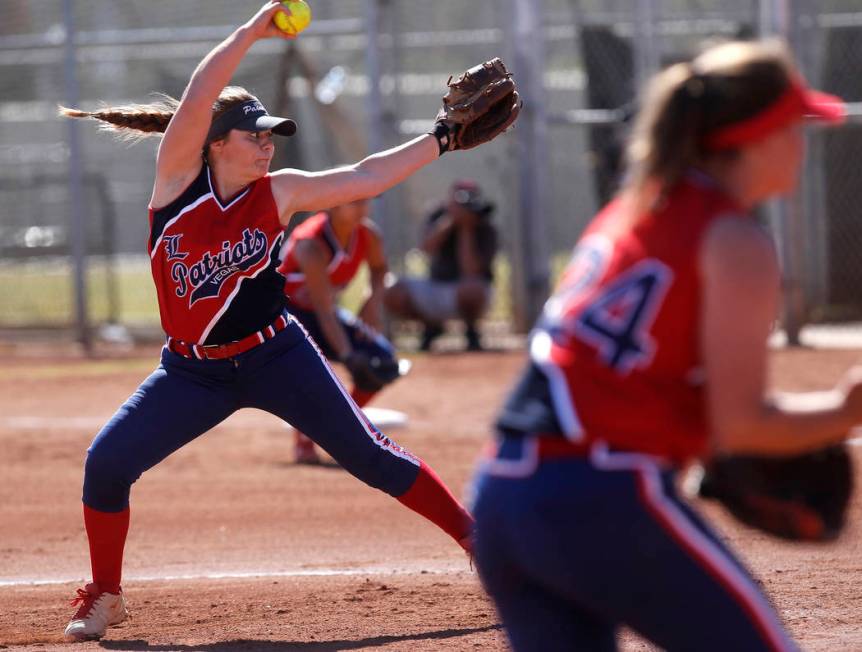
42	294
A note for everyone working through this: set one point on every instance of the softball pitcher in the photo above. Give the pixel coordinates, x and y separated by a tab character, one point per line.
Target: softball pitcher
216	219
652	353
321	257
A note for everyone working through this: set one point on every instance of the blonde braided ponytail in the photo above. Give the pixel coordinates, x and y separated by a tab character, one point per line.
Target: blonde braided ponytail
131	121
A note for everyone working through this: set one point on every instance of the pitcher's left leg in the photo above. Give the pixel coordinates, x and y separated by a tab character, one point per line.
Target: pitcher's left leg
315	401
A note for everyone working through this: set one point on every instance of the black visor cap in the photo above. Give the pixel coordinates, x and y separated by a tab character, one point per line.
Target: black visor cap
250	116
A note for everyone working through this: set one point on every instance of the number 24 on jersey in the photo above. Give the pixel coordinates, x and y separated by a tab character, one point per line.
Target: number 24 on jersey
616	322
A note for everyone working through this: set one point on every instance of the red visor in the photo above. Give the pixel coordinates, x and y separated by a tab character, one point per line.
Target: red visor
798	102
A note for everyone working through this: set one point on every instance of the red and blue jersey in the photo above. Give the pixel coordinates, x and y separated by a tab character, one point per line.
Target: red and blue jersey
214	262
619	339
344	262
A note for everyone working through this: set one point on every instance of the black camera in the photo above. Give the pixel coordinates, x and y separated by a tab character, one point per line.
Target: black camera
473	201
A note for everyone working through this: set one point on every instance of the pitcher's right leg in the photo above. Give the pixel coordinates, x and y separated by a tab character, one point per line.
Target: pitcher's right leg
179	401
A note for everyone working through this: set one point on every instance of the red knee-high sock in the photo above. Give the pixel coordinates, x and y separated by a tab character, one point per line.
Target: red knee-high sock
106	532
429	497
360	397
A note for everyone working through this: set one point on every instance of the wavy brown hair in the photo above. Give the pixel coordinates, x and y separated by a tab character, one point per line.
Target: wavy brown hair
725	84
138	121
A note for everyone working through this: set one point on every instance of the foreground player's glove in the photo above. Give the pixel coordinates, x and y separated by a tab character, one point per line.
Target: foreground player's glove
800	498
480	104
371	373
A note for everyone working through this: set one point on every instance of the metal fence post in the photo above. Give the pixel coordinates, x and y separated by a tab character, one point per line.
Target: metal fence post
644	42
375	97
531	273
784	214
77	223
393	203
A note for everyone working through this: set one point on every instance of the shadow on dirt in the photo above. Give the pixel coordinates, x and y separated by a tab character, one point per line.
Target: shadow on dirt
323	463
273	646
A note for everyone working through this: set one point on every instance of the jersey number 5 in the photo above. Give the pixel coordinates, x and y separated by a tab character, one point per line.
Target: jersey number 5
617	321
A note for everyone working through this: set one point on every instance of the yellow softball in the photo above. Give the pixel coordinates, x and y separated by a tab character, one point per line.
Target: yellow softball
298	18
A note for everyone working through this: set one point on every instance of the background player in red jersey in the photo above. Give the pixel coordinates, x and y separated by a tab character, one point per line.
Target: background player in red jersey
652	353
216	224
321	257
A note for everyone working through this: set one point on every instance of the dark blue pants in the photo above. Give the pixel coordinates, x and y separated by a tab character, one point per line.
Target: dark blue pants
361	336
182	399
571	549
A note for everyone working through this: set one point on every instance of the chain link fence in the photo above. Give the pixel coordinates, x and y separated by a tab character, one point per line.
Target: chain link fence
596	54
829	47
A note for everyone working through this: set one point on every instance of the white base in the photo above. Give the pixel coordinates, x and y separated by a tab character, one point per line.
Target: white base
384	418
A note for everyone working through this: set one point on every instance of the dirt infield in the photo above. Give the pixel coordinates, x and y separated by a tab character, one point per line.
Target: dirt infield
232	547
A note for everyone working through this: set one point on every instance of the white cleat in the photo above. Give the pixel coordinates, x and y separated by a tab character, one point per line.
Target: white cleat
98	611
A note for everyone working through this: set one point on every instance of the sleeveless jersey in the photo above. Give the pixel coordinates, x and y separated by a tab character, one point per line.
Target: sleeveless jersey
215	262
343	264
619	340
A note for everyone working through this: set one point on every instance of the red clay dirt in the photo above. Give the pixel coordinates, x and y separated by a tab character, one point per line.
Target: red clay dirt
233	547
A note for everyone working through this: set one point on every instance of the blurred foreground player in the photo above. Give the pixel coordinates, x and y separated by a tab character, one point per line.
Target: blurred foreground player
652	353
